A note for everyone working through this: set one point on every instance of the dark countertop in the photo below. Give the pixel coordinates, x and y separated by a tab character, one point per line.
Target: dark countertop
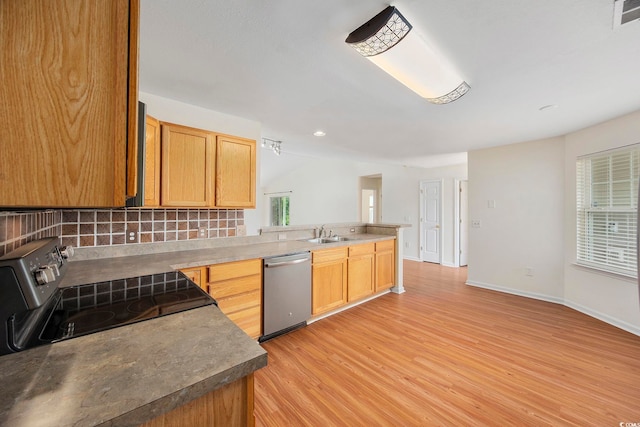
116	378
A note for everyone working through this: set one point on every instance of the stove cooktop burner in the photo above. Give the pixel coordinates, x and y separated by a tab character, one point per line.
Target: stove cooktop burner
90	308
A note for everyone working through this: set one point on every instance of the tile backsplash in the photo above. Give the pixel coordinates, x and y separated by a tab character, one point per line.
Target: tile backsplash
19	228
107	227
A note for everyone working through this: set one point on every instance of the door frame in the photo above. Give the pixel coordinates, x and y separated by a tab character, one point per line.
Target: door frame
456	231
421	241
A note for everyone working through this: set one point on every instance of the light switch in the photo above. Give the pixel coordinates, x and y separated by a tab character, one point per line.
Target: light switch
491	203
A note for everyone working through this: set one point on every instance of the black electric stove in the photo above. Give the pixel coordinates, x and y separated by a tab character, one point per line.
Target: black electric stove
34	311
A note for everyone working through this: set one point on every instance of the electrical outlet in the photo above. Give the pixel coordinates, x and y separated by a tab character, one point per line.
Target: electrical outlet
528	271
476	223
132	236
282	236
241	230
202	231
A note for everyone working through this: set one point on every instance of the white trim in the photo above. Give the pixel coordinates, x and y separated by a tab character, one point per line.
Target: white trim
517	292
448	264
347	306
411	258
603	317
456	222
420	226
557	300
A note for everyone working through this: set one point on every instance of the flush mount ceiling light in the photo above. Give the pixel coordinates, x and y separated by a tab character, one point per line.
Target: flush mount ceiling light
319	133
388	41
272	145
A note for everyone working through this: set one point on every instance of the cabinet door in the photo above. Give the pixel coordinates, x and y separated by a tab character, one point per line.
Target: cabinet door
385	264
152	163
361	275
385	271
197	275
235	172
69	101
187	164
329	285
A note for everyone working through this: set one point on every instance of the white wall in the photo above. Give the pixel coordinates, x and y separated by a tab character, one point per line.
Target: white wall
533	223
328	191
609	298
177	112
525	229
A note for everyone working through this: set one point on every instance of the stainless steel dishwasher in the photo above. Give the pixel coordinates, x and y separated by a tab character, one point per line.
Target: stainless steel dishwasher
286	294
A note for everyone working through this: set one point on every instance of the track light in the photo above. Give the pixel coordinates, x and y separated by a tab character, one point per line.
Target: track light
272	145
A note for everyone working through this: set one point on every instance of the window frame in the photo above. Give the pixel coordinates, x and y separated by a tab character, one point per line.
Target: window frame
607	210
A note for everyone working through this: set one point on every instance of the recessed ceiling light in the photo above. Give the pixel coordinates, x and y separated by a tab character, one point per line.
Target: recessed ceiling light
548	107
319	133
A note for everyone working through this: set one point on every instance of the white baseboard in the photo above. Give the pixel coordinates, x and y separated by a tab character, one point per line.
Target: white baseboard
604	317
448	264
557	300
411	258
346	307
518	292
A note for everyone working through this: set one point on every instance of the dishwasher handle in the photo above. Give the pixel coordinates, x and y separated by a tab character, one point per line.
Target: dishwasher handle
268	264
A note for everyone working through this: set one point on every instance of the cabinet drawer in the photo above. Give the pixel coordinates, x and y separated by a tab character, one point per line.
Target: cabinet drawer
329	255
367	248
232	270
239	302
235	286
248	320
386	245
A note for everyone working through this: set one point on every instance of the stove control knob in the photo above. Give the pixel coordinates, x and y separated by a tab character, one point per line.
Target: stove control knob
67	252
45	275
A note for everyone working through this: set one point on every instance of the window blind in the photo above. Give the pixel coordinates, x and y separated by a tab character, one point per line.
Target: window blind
607	206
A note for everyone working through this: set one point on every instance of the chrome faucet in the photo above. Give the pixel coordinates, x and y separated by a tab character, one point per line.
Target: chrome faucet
321	230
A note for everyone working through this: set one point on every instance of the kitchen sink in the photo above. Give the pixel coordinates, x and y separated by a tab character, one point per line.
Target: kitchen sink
328	239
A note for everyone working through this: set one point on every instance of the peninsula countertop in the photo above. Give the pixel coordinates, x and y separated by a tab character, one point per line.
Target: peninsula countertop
127	375
113	268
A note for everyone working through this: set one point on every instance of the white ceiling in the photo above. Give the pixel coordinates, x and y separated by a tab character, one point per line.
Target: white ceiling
284	63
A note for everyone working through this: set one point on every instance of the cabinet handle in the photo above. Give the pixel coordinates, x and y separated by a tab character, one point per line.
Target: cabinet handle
209	289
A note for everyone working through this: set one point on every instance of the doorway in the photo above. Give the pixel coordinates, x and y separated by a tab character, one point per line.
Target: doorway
370	205
462	220
430	221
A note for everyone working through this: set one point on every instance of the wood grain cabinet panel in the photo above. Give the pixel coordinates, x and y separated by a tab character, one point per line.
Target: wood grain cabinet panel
69	101
385	265
237	287
235	172
197	275
231	405
361	268
187	166
329	279
152	163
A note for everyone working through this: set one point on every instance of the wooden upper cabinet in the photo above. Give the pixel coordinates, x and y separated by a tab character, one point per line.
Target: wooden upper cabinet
152	163
235	172
69	101
187	166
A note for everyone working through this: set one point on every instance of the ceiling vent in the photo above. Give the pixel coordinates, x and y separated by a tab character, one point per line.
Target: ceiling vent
625	11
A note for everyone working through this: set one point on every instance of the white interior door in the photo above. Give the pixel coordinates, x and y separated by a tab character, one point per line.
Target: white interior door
464	223
430	230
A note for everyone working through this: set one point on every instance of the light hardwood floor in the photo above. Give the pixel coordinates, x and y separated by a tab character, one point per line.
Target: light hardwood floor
447	354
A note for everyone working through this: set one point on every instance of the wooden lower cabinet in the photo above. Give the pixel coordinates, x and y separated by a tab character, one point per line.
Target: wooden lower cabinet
361	271
229	406
197	275
385	265
237	287
329	279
